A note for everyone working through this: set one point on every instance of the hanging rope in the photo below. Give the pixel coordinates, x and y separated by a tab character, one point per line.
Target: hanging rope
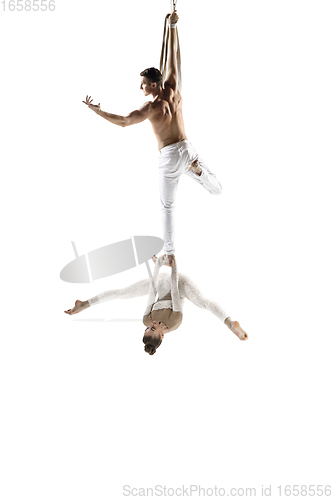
164	51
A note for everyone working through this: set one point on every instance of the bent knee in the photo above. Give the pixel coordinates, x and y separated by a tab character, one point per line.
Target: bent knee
167	206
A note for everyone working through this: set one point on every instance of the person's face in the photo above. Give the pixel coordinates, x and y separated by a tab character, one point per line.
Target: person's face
155	329
147	86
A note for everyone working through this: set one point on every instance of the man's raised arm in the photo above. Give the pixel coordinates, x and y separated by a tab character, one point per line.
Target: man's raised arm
172	71
132	118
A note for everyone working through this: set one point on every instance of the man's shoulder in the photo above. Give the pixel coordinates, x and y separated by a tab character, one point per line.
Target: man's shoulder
146	106
159	104
151	106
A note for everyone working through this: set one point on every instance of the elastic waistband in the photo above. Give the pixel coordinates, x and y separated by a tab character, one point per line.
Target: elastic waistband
175	146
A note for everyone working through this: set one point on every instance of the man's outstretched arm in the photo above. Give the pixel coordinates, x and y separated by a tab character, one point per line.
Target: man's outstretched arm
172	71
132	118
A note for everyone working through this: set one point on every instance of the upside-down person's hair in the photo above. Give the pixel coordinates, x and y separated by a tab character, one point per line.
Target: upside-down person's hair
153	75
151	344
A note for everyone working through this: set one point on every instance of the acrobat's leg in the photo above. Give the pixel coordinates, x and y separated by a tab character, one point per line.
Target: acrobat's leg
190	290
168	191
136	290
197	169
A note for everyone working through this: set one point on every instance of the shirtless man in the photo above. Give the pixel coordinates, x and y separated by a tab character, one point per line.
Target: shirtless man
177	155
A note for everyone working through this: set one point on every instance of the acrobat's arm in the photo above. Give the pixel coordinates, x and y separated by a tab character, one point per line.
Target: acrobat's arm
176	303
172	71
153	288
132	118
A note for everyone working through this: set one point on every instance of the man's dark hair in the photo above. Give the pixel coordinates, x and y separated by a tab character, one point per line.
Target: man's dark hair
153	75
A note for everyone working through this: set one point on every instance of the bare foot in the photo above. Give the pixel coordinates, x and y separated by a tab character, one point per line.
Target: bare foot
195	167
238	330
79	306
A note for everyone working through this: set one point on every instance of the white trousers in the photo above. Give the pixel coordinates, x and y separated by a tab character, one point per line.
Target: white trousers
175	160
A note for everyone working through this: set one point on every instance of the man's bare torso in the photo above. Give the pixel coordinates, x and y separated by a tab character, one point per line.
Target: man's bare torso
166	117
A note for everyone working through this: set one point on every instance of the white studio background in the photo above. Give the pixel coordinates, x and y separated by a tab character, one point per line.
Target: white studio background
84	409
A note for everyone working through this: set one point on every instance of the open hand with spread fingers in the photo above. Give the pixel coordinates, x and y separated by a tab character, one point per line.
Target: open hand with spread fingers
94	107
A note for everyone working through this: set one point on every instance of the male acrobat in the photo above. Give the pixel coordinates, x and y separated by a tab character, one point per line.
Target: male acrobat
177	155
